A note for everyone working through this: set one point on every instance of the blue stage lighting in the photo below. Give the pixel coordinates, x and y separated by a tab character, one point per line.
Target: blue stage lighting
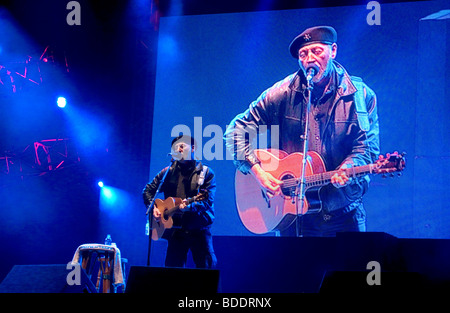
100	184
61	101
109	195
114	201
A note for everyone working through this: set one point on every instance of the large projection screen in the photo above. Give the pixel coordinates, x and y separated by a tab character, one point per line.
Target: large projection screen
211	67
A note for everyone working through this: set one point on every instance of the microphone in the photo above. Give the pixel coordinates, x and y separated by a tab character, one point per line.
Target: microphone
173	153
311	71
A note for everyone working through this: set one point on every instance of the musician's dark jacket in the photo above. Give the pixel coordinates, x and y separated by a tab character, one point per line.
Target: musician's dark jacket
342	140
198	215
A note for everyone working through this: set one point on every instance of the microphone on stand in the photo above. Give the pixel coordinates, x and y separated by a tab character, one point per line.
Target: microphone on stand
174	156
311	71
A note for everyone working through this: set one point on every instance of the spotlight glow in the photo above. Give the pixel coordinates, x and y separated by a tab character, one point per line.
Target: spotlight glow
114	201
100	184
62	102
109	195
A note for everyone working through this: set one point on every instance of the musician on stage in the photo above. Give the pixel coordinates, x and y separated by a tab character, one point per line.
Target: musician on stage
192	223
342	132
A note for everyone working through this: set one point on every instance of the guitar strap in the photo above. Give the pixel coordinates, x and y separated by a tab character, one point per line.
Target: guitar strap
361	107
201	177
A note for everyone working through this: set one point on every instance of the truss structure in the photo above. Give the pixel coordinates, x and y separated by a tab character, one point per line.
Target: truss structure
39	158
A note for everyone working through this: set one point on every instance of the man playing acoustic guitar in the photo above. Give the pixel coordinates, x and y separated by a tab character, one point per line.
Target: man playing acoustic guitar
192	219
343	130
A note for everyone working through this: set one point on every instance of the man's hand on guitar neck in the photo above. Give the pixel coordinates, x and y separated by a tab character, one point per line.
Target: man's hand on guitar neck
270	184
340	179
183	205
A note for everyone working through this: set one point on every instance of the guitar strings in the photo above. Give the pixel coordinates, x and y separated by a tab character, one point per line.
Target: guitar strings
324	178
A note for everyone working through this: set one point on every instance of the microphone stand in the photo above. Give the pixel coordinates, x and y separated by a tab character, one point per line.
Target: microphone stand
301	195
149	212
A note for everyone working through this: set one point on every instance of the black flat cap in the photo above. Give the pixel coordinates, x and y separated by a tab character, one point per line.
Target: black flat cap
317	34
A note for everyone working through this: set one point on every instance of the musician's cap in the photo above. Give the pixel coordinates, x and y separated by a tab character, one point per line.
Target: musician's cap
317	34
184	138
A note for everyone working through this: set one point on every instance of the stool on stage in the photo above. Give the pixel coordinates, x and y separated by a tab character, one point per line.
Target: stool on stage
110	274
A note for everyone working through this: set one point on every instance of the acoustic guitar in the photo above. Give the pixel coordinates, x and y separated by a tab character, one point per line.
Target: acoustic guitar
168	207
261	214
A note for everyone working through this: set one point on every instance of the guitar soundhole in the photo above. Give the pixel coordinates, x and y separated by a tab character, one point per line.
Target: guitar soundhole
289	185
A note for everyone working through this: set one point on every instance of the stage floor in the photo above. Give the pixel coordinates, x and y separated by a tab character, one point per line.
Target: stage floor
254	264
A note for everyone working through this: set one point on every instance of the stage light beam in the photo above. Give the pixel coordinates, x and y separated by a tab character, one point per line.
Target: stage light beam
114	201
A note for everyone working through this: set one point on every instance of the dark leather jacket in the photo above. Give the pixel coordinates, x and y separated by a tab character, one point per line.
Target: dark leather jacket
348	137
199	215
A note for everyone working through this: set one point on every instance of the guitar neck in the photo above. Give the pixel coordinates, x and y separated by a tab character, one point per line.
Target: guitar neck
171	211
322	179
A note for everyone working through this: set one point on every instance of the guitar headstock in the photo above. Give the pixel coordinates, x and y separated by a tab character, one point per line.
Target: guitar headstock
391	163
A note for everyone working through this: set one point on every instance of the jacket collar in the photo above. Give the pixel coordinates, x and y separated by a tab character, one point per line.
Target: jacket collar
198	165
174	178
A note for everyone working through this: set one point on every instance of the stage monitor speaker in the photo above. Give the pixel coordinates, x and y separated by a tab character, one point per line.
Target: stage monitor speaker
50	278
143	279
338	282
